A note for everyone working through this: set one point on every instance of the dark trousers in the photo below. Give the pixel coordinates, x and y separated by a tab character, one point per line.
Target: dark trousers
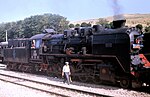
66	77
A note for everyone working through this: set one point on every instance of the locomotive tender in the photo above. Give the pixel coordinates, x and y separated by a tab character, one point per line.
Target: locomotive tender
99	55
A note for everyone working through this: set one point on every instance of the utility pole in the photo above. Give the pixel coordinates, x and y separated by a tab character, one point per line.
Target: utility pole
6	36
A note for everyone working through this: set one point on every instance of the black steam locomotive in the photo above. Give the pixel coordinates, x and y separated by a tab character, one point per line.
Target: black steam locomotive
98	55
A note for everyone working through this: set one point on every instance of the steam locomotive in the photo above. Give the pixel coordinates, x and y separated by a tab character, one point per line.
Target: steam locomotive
99	55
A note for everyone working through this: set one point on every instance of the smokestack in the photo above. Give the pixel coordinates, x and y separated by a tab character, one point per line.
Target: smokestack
119	23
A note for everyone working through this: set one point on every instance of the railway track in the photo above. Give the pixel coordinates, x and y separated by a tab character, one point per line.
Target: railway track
53	89
52	86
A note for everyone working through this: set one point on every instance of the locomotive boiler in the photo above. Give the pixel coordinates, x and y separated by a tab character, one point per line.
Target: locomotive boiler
94	54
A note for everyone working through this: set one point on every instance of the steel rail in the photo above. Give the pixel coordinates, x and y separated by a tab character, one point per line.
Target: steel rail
52	85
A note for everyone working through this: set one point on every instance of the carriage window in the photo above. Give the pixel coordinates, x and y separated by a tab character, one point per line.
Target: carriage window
37	44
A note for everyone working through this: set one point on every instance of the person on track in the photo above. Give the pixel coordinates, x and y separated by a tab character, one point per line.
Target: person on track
66	73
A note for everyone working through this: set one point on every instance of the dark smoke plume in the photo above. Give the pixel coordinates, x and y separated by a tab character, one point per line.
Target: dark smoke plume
117	10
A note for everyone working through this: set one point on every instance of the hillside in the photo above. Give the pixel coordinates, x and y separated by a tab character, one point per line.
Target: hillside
132	19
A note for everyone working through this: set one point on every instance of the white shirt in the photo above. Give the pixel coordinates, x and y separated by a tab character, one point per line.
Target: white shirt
66	68
132	35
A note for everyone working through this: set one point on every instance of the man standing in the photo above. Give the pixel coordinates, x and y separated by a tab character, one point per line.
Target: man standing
66	73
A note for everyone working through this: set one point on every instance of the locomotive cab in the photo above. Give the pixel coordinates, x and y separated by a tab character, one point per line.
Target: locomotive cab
36	42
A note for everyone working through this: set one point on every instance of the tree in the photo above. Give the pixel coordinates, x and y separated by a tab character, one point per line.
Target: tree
71	25
111	25
147	29
102	22
77	25
84	24
63	24
33	25
89	24
139	26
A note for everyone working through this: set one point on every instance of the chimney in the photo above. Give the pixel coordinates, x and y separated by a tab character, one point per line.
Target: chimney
119	23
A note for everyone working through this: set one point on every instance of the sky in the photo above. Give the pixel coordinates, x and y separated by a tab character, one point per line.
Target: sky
73	10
